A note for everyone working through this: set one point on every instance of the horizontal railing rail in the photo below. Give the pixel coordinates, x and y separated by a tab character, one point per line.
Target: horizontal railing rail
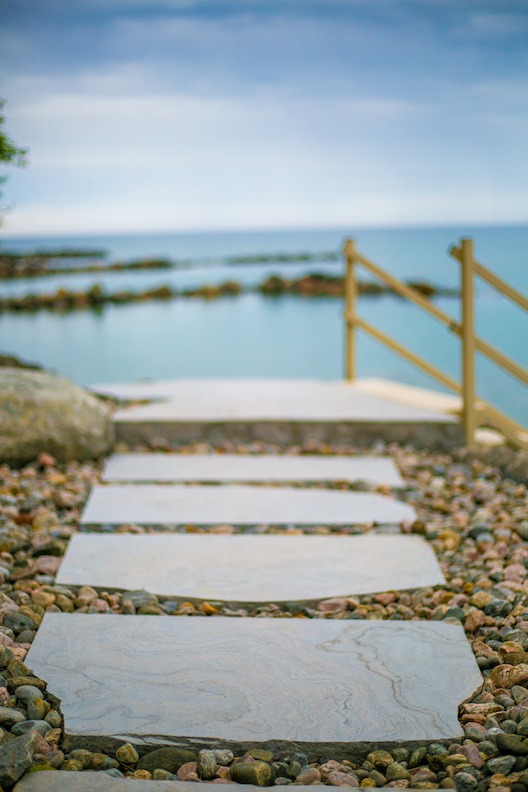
493	280
474	409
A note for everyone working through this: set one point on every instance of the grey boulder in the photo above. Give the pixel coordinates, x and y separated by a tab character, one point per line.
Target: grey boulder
40	411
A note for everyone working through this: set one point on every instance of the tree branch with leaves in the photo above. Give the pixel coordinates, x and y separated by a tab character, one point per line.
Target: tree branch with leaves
10	153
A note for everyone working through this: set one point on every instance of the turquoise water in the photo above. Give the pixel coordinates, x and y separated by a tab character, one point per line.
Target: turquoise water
282	337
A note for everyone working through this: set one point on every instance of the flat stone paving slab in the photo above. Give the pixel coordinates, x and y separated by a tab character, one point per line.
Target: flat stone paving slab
67	781
318	684
165	504
243	568
244	467
233	398
277	411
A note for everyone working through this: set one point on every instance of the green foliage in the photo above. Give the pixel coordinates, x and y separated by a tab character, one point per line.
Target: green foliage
10	153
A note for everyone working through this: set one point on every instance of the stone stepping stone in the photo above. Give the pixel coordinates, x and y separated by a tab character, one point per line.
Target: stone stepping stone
244	569
164	504
67	781
284	411
316	685
243	467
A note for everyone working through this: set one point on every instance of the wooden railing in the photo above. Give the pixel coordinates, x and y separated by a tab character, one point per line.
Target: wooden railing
475	411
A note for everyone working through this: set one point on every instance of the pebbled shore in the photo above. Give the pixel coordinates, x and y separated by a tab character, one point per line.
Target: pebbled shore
477	522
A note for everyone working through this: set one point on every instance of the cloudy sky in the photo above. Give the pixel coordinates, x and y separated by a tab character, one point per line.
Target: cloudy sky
206	114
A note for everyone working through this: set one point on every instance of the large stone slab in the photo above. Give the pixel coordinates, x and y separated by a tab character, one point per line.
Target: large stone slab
163	504
265	398
282	411
245	568
67	781
244	467
316	684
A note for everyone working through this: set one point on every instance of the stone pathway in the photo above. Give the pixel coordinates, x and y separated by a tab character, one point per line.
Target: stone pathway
327	687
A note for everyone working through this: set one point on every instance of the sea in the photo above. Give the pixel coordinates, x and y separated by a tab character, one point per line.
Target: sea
251	335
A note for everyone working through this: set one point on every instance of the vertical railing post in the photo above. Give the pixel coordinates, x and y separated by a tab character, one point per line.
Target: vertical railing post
468	341
349	251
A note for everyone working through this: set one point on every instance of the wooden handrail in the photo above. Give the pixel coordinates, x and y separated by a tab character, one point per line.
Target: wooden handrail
474	409
498	420
406	353
413	295
493	280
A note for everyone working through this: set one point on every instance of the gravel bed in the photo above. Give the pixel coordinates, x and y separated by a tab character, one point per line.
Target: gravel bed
477	522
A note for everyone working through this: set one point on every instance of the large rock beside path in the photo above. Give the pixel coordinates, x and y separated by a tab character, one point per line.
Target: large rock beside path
40	411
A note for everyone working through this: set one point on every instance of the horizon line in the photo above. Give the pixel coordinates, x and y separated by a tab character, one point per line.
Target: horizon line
425	225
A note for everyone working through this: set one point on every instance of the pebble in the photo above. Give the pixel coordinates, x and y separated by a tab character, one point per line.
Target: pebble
162	775
336	778
28	693
73	765
310	776
512	744
396	771
501	764
9	717
127	754
380	759
37	709
188	772
333	605
206	764
465	782
100	761
144	775
257	772
223	757
83	756
170	758
472	754
42	726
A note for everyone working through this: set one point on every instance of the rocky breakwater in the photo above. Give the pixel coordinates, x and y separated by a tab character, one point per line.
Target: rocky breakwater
40	411
312	285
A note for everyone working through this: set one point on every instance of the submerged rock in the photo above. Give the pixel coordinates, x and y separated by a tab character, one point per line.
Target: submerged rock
42	412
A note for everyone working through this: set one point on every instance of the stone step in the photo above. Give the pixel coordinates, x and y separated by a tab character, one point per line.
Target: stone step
67	781
278	411
250	569
316	685
244	467
165	504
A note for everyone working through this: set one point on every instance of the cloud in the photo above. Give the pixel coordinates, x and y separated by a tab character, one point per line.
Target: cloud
195	114
500	24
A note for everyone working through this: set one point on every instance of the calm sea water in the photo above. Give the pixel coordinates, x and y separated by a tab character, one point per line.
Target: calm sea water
285	336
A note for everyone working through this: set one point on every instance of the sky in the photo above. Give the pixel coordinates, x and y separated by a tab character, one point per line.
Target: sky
176	115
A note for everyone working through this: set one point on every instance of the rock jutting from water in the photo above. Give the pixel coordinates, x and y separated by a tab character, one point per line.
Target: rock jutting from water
313	285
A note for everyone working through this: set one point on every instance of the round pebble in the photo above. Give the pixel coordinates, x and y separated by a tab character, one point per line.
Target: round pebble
127	754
